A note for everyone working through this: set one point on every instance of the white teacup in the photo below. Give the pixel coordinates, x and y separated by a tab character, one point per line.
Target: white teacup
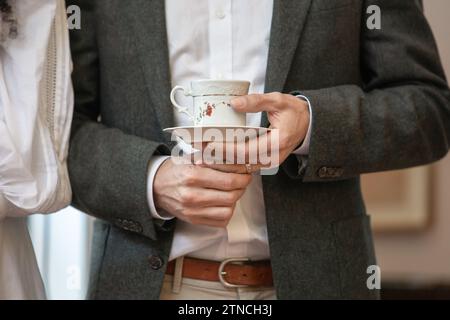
212	102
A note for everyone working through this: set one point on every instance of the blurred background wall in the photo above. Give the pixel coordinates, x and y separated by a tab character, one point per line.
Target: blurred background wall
422	258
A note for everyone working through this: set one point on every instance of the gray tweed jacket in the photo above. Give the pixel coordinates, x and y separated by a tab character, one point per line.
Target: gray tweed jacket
380	102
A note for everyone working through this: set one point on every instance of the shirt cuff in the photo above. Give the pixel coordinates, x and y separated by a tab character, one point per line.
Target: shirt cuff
303	150
153	166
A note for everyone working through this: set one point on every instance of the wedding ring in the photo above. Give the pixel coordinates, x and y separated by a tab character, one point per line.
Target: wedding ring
249	168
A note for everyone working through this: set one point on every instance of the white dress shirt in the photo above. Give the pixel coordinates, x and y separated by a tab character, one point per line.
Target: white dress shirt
218	40
36	102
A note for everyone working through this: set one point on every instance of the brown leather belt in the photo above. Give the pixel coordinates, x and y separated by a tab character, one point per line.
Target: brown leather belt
232	273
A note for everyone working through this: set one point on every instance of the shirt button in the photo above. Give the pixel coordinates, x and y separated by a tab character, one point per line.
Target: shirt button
220	14
155	262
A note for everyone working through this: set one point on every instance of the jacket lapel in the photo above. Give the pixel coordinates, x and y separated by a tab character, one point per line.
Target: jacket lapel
149	28
289	18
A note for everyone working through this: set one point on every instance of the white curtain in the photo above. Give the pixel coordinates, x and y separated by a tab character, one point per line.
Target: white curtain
62	245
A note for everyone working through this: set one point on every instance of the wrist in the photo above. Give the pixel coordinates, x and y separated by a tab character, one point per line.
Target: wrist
303	147
155	181
158	182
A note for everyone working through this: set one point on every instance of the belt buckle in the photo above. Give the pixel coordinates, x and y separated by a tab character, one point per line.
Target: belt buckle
222	273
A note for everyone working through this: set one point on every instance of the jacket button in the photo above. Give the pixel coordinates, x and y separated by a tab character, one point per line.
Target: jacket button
155	262
323	173
339	172
137	227
330	172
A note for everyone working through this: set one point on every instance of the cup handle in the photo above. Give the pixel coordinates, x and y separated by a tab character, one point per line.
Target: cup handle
181	109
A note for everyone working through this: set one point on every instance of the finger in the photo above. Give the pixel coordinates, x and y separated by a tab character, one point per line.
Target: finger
210	213
227	168
212	179
235	168
259	152
210	223
198	197
254	103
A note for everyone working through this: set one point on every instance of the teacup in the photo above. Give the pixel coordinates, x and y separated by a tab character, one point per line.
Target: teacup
212	102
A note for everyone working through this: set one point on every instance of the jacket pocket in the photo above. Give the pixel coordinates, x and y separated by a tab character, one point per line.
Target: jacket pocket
355	254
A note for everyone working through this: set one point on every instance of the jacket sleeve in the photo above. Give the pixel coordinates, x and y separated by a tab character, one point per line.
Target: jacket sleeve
108	168
399	118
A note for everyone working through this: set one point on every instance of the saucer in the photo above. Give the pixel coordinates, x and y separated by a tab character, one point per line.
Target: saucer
192	134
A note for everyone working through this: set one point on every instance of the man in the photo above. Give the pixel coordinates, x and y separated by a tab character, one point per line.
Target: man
378	100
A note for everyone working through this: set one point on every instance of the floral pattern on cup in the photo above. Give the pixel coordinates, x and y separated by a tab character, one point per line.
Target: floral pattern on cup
217	94
208	110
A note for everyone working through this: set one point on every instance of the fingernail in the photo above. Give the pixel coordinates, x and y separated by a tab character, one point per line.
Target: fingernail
237	103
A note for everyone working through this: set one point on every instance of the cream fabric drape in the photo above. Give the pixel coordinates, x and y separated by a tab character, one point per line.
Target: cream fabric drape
36	102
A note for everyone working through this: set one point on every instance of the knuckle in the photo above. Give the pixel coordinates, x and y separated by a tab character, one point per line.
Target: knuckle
228	214
223	215
244	181
189	177
277	97
228	183
258	98
188	214
187	197
231	198
247	179
246	99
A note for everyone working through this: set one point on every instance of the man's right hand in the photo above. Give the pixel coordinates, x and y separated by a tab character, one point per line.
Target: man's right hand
197	195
